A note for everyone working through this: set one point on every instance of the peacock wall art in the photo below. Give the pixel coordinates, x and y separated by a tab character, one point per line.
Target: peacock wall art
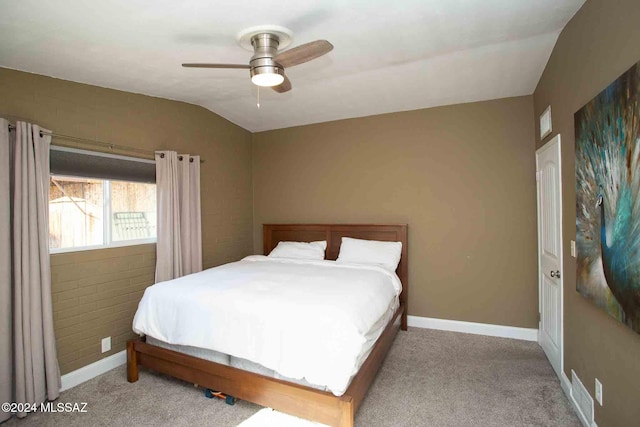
607	131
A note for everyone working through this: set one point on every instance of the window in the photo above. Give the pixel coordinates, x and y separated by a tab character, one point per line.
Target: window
99	200
88	213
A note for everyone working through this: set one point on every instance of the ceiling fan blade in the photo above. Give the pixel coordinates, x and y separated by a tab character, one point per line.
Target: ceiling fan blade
241	66
285	86
303	53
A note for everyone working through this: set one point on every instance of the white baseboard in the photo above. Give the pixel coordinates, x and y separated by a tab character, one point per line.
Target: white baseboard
565	382
526	334
88	372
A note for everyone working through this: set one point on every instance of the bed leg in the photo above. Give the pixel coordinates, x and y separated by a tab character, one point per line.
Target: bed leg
132	362
403	320
346	413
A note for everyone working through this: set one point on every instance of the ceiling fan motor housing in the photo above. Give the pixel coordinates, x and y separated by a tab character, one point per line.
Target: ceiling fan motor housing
265	47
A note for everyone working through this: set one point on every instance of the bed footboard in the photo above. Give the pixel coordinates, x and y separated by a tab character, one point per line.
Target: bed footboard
287	397
294	399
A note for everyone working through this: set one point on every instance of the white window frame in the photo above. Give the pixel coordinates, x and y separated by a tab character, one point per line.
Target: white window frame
106	221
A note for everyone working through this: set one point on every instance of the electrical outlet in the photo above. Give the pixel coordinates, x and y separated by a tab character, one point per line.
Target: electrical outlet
106	344
599	391
573	249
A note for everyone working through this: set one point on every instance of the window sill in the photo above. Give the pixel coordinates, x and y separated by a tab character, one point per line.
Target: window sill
98	247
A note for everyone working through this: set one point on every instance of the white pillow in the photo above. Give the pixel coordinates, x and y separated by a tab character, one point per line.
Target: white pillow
385	254
300	250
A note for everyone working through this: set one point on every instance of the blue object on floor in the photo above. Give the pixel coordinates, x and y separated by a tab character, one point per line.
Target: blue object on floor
229	400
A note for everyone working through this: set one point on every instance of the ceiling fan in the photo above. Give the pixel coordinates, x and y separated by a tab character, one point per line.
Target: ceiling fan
267	65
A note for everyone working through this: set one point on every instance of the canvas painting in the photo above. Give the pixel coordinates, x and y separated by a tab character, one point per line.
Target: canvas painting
607	132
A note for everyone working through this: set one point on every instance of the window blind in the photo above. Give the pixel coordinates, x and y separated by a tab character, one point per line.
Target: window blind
91	164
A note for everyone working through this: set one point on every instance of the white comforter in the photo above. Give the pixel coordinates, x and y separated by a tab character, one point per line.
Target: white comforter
304	319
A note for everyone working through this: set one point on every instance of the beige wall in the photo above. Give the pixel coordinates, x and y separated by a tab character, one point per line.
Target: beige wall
601	42
95	295
96	292
462	177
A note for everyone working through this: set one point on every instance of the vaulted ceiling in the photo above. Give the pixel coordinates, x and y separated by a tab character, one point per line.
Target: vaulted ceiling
389	55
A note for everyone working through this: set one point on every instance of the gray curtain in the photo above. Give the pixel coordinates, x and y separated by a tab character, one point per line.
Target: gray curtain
6	355
179	247
25	268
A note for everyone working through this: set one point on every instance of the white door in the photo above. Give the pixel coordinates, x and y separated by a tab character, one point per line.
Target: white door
550	299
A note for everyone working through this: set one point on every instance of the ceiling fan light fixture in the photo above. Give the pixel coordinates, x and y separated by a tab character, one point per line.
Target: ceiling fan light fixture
267	65
267	76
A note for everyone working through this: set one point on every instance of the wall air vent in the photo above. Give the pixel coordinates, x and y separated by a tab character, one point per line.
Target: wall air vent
582	398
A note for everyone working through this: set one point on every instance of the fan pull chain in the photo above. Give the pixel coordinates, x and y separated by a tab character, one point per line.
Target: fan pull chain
258	104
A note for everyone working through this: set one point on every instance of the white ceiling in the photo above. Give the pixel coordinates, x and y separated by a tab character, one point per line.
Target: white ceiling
388	56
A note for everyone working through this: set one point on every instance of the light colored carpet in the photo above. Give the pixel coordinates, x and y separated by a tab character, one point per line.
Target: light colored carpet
430	378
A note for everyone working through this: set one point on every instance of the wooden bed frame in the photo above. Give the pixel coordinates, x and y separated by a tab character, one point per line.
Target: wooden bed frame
294	399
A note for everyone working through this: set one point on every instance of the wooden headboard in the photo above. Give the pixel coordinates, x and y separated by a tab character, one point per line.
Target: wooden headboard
333	234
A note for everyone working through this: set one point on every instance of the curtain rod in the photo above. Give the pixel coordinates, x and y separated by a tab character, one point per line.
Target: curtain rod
97	143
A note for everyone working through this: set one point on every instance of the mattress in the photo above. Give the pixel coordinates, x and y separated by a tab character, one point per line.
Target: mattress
313	322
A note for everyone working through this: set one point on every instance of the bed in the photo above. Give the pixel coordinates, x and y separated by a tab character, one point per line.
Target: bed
301	400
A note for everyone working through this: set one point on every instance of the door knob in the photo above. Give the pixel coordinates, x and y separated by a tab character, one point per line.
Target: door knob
555	274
